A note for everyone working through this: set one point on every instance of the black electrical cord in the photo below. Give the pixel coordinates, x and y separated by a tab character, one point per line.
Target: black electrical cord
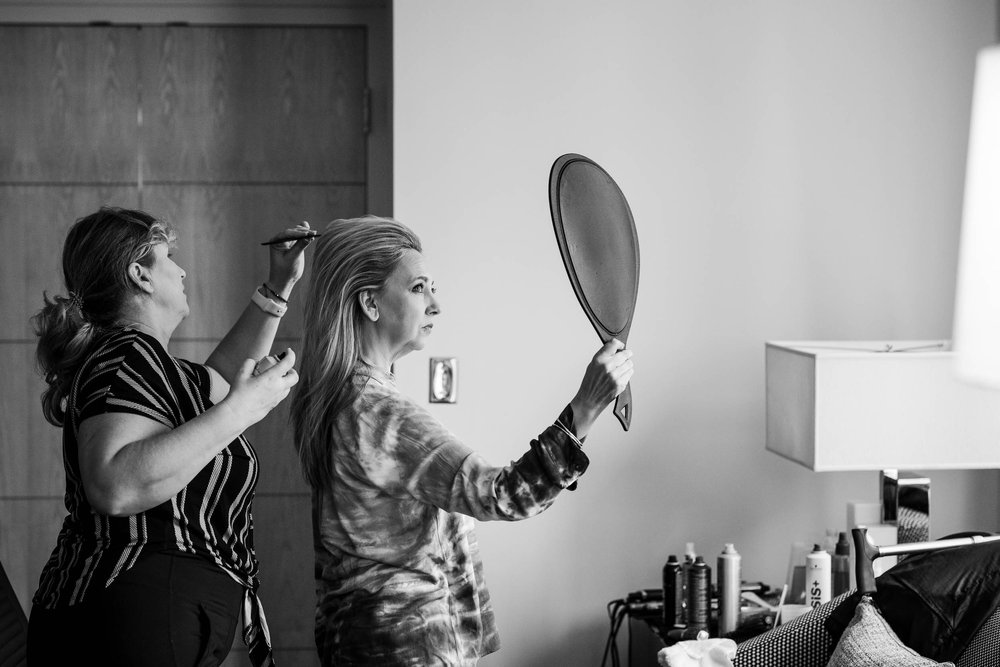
629	654
617	612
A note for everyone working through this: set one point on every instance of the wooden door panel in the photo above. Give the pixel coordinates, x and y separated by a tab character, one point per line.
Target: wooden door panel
68	104
220	229
34	220
28	530
283	538
228	133
274	441
258	104
30	447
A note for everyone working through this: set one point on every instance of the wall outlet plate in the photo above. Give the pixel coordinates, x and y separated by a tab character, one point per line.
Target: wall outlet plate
443	380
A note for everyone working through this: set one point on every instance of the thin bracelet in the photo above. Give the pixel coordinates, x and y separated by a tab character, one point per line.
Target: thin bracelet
267	305
270	293
572	436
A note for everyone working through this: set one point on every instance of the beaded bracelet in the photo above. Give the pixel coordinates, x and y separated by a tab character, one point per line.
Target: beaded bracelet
271	294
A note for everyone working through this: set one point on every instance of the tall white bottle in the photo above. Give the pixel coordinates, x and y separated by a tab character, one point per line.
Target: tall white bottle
730	579
818	577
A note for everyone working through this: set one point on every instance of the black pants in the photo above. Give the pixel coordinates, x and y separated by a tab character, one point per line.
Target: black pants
168	610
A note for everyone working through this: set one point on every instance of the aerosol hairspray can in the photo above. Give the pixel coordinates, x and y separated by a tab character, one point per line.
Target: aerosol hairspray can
729	576
699	594
689	556
673	594
818	577
840	566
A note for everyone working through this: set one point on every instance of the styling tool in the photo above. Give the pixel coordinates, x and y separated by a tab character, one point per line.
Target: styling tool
312	234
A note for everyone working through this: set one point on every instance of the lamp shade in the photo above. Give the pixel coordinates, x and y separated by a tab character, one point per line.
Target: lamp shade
871	405
977	302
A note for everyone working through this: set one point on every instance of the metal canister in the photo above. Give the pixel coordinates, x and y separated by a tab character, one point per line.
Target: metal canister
673	593
729	574
699	594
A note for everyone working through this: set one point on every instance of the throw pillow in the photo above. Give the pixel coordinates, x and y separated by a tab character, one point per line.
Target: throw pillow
868	641
935	601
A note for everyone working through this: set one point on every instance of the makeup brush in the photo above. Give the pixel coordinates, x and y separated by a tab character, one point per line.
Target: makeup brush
311	234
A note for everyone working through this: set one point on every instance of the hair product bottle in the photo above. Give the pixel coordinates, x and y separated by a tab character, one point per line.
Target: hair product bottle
689	556
673	594
840	566
729	575
699	594
817	577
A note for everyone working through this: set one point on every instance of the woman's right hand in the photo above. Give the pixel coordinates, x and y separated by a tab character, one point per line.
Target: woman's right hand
260	385
607	375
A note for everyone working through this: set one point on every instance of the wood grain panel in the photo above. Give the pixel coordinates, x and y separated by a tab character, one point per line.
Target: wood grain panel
271	437
34	221
68	104
28	531
260	104
220	229
283	540
30	448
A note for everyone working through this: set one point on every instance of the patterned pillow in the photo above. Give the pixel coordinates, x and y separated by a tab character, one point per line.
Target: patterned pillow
802	642
868	641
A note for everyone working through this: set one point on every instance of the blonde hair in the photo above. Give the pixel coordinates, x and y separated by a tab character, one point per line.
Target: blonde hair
350	257
97	252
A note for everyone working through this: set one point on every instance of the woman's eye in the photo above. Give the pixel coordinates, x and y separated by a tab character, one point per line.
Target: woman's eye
418	288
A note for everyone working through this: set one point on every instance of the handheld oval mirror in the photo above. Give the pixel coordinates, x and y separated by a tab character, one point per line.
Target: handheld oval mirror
600	250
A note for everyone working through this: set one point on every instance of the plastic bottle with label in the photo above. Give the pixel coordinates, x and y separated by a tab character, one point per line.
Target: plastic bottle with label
818	579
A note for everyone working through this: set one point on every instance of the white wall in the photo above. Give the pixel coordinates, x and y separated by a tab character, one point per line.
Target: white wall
795	171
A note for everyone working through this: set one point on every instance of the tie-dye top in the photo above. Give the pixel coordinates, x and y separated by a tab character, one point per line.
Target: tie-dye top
399	578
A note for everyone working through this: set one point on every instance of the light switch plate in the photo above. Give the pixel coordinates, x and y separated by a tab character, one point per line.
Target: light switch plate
443	380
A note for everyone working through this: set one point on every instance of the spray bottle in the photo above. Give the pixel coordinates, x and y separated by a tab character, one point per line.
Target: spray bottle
840	566
689	556
818	579
699	594
729	575
673	593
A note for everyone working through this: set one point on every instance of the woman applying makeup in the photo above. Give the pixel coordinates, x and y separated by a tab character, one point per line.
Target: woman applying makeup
155	560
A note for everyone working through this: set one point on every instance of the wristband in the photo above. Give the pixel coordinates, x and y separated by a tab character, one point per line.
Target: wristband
267	305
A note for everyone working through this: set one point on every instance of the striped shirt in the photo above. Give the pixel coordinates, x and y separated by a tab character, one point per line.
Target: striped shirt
399	578
130	372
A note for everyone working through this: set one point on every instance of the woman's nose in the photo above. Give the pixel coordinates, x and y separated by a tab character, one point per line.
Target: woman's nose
433	307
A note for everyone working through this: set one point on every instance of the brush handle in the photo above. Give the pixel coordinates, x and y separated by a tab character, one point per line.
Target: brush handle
285	239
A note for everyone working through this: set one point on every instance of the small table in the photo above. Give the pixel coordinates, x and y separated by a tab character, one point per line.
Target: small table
753	621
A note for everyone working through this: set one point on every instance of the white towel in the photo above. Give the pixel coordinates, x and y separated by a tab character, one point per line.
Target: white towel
699	653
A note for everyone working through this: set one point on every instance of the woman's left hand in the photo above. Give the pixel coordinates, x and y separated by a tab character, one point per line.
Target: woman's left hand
607	375
288	258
